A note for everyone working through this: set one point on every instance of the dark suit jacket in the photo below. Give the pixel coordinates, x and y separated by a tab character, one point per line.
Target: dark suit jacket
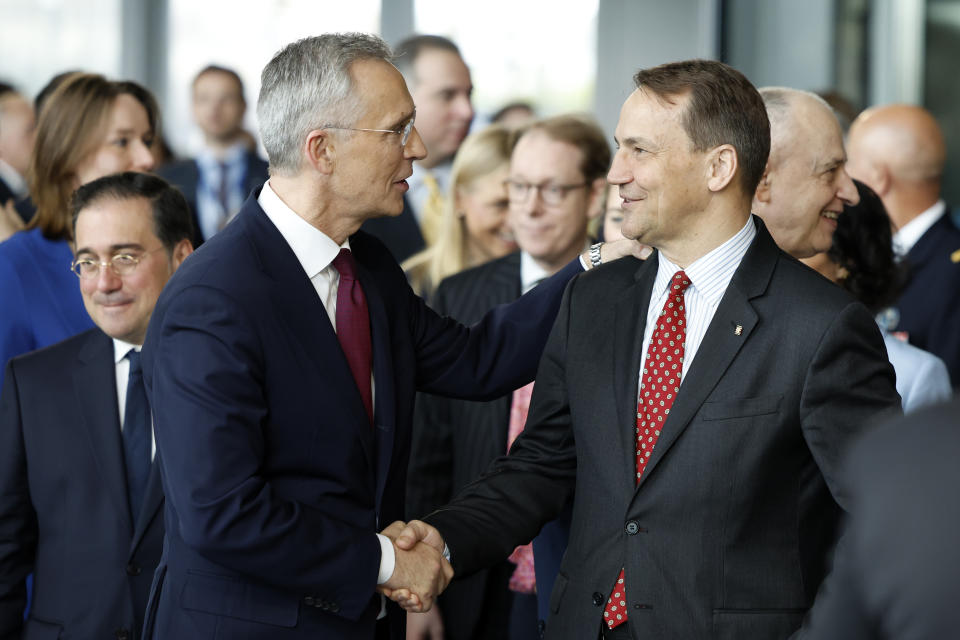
454	441
185	175
5	193
401	234
929	306
63	500
897	571
276	481
727	534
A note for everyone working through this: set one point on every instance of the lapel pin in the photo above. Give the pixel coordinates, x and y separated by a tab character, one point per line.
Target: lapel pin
738	330
955	256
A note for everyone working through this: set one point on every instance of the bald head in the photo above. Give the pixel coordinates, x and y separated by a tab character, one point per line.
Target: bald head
898	150
805	186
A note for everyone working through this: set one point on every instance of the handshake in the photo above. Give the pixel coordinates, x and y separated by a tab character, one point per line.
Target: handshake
421	572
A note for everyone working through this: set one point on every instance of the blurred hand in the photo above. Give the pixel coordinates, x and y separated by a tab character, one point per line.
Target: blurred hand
425	626
10	221
419	576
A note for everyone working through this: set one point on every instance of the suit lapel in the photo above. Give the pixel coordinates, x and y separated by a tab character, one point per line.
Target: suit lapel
297	303
721	343
96	389
630	321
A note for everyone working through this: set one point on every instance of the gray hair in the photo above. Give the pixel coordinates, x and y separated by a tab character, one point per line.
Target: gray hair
306	85
780	102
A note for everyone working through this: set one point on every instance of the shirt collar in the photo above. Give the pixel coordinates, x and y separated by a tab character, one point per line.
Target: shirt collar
233	155
711	273
121	349
440	173
314	249
14	180
530	272
908	234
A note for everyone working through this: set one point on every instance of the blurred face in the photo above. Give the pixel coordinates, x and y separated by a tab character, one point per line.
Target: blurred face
551	233
17	129
126	143
809	185
613	216
661	181
483	205
218	105
121	306
371	169
441	92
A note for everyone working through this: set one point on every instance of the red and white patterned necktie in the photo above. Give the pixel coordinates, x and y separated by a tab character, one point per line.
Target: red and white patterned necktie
661	382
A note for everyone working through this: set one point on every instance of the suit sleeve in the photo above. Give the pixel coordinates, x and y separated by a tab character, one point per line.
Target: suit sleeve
849	383
209	403
520	492
493	357
18	522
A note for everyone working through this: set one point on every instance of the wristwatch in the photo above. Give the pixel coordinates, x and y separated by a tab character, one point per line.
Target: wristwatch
595	255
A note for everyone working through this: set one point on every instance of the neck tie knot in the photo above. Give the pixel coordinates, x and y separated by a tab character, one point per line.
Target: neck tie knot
345	265
679	283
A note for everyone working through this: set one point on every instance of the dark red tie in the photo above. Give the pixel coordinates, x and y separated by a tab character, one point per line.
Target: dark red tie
661	382
353	326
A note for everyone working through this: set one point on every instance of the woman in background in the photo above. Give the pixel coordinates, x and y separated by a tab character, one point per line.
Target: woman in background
862	261
474	226
89	127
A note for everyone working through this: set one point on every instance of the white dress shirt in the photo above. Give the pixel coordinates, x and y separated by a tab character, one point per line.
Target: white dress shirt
908	234
122	370
315	252
210	169
709	277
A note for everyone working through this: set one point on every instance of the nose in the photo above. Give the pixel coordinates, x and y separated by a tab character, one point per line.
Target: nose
618	173
108	280
140	157
415	149
846	190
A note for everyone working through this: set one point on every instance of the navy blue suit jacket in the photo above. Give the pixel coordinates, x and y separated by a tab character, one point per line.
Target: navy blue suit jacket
63	501
276	481
185	175
929	306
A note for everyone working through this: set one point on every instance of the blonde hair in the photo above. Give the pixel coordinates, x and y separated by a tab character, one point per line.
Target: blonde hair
481	154
71	126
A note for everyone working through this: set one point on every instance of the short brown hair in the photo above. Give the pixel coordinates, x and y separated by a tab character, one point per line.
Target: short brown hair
581	132
724	108
213	68
71	123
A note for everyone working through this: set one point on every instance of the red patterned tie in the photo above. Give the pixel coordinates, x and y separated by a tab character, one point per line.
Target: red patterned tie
661	382
353	326
524	578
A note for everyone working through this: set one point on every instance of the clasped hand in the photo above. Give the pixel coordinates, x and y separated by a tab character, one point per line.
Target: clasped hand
421	572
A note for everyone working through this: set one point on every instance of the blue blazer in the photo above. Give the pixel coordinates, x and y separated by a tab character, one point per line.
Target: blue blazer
929	307
63	501
40	297
276	482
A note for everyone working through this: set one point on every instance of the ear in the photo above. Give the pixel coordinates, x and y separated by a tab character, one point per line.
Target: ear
880	180
762	194
595	204
180	252
722	167
319	151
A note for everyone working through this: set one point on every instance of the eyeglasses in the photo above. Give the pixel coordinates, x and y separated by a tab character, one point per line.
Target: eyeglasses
552	194
122	264
403	132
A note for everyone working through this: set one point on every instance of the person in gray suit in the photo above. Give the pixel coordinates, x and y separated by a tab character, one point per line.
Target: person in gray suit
704	475
897	571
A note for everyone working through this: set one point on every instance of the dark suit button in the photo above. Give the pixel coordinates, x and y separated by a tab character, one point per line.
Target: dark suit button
122	634
133	570
597	599
334	607
632	527
308	601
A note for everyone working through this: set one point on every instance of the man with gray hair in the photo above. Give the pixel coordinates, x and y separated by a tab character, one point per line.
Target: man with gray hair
282	363
805	185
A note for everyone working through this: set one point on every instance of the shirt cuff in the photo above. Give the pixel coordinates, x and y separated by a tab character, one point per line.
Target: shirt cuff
388	559
583	264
